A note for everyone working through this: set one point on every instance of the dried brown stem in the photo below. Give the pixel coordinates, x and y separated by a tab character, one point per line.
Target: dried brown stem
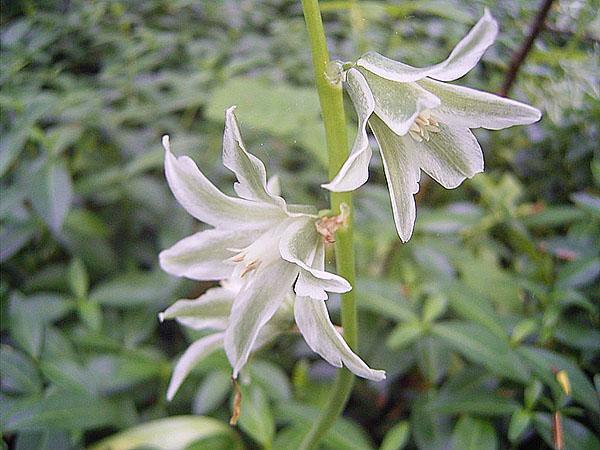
519	57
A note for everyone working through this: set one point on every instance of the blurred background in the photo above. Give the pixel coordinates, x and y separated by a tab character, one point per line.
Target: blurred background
478	320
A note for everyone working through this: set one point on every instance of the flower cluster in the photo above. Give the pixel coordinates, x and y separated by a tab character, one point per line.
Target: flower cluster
270	256
422	123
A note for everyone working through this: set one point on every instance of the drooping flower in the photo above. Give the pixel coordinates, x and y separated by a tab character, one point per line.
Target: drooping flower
273	249
211	312
422	123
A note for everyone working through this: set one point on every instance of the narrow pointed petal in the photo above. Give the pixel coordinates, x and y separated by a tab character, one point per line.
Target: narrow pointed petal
402	174
210	310
450	156
322	337
355	171
203	255
299	245
399	104
471	108
254	306
205	202
249	170
463	58
191	357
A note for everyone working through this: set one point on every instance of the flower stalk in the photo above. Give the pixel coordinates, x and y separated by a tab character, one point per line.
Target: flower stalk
332	107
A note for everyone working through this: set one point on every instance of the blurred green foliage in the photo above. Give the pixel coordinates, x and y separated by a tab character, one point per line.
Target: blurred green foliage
497	291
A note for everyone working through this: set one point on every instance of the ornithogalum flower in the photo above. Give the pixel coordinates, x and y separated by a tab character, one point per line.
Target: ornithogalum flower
422	123
273	249
211	312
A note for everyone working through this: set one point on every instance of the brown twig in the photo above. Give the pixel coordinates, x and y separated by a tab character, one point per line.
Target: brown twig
519	57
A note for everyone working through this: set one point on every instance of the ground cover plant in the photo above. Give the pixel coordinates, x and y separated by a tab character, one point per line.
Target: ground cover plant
485	320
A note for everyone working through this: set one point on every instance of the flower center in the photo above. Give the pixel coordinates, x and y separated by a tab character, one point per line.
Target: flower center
263	250
424	124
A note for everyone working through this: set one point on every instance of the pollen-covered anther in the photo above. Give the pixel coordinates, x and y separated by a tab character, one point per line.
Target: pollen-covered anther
252	265
424	124
327	226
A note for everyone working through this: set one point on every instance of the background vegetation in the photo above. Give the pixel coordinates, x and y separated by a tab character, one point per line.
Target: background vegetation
472	319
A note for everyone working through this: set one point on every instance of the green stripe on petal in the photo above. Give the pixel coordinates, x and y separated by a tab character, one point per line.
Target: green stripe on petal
205	202
203	255
249	170
449	156
471	108
190	358
254	306
322	337
210	310
355	171
402	174
399	104
463	58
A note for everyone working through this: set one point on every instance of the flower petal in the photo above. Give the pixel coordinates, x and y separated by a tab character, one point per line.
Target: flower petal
210	310
450	155
254	306
192	356
402	174
203	255
205	202
299	245
463	58
399	104
322	337
471	108
250	171
355	171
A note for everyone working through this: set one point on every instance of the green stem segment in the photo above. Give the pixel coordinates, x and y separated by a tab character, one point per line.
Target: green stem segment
332	107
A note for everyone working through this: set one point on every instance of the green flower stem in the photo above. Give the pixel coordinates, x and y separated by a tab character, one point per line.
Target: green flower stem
332	107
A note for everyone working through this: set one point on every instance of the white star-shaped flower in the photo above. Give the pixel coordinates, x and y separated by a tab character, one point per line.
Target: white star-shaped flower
422	123
270	248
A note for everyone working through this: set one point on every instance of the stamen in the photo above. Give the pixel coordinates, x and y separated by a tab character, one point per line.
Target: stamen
423	125
252	265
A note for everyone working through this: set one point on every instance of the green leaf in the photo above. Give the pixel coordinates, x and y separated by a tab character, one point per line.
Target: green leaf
18	373
553	216
272	378
545	362
78	278
404	334
519	422
172	433
384	299
397	437
429	429
26	329
587	202
435	306
135	289
59	410
579	273
479	345
256	418
473	402
474	434
212	392
278	109
52	193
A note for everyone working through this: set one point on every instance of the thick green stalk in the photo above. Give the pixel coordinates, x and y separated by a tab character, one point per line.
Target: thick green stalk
332	107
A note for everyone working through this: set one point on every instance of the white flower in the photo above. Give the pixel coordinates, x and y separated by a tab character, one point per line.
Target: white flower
421	123
211	311
272	247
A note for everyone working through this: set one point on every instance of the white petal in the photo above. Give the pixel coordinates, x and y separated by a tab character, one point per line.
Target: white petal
355	171
210	310
252	309
402	174
274	185
192	356
399	104
203	255
322	337
450	156
462	59
473	109
205	202
299	245
250	171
